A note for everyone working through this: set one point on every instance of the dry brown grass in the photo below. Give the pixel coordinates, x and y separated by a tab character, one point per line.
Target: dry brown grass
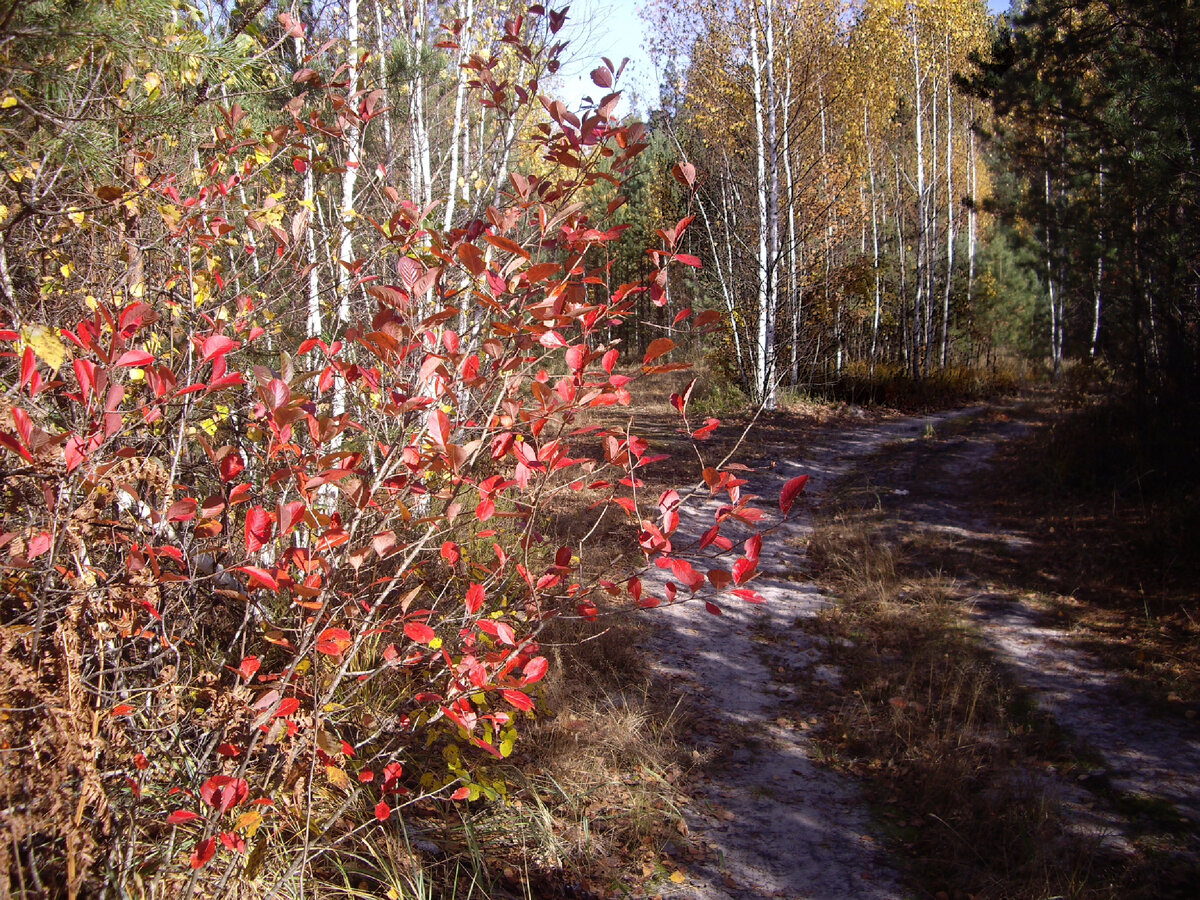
943	737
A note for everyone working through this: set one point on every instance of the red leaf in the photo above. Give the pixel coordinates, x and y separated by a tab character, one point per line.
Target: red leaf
182	510
419	632
475	598
519	699
577	357
710	425
461	794
748	595
753	547
248	667
743	569
28	366
224	792
121	709
259	577
712	608
300	165
278	393
535	670
233	841
181	817
383	812
232	465
450	552
384	543
38	545
134	358
601	77
259	528
217	345
610	361
286	708
685	174
658	347
689	260
720	578
73	453
334	641
790	492
203	853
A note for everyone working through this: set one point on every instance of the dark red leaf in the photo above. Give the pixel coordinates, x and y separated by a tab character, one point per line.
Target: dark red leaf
224	792
259	577
475	598
790	492
203	853
259	528
134	358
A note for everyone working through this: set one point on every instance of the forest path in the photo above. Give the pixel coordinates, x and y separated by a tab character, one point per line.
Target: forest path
768	820
1141	765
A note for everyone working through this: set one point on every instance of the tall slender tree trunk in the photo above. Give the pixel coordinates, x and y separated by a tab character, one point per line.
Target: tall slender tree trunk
793	273
972	210
457	127
381	52
1051	287
346	213
874	240
1098	291
949	210
772	198
764	349
829	213
312	326
922	230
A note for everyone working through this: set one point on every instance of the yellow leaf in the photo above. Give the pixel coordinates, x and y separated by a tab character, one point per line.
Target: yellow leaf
678	877
337	777
46	345
248	823
8	102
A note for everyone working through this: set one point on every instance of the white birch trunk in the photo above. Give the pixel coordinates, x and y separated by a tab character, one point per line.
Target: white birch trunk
922	235
346	213
763	349
457	128
949	209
